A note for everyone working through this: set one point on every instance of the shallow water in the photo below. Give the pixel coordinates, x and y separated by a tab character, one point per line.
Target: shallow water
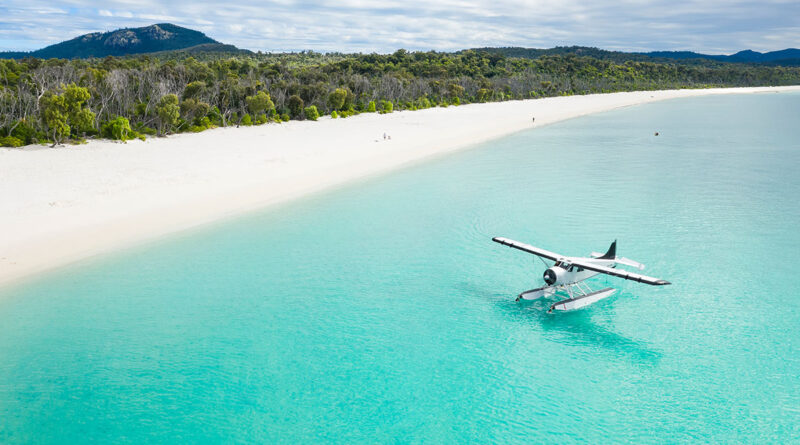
382	312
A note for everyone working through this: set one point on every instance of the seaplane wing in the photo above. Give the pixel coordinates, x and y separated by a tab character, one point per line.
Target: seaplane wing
588	265
528	248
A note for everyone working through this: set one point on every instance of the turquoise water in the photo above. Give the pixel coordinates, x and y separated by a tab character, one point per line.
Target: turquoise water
383	313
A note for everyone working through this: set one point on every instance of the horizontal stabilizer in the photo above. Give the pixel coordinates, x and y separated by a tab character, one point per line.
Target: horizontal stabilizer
629	262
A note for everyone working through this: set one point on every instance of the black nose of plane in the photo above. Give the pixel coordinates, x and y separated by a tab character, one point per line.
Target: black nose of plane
549	277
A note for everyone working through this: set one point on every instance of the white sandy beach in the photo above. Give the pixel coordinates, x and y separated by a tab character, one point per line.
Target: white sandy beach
60	205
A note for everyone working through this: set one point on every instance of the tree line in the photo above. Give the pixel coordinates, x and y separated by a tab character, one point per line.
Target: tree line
55	100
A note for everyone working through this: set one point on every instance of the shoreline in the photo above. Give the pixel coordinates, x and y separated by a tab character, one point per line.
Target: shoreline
67	204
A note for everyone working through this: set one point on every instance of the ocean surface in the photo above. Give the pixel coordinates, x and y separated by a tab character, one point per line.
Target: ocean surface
382	312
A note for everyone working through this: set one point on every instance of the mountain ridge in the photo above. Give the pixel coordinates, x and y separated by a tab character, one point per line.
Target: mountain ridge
785	57
154	38
745	56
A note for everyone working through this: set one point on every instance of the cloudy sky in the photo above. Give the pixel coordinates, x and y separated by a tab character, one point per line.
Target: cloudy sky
711	26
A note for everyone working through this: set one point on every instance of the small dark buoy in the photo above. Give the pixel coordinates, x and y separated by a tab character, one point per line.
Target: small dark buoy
656	133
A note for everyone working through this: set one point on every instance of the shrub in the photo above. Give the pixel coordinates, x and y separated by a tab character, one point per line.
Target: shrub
215	116
261	119
118	129
285	117
11	141
142	130
371	107
247	120
334	114
204	122
386	106
311	113
26	133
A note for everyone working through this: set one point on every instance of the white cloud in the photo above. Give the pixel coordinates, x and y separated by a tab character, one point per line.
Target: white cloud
721	26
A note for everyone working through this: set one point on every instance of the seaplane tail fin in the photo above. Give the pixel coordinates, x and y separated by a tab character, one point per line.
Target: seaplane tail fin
612	252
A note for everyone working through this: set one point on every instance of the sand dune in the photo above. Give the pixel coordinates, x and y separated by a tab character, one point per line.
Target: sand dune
60	205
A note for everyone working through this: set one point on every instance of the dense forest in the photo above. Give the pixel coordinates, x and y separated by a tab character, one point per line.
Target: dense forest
53	101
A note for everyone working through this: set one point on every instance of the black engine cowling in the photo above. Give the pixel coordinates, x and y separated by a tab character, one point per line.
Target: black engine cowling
553	275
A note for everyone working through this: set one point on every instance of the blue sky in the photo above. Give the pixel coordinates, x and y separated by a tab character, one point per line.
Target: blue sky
711	26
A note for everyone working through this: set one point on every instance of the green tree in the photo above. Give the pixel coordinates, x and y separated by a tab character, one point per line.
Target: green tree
336	99
168	113
259	103
80	117
295	105
54	116
192	109
371	106
193	89
63	113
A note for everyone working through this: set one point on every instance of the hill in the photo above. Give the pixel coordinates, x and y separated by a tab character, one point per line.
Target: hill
786	57
584	51
127	41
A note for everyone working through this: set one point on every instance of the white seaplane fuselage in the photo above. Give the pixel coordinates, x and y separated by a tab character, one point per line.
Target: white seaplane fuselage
563	274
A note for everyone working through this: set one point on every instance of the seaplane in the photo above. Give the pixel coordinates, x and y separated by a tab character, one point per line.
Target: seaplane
567	275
